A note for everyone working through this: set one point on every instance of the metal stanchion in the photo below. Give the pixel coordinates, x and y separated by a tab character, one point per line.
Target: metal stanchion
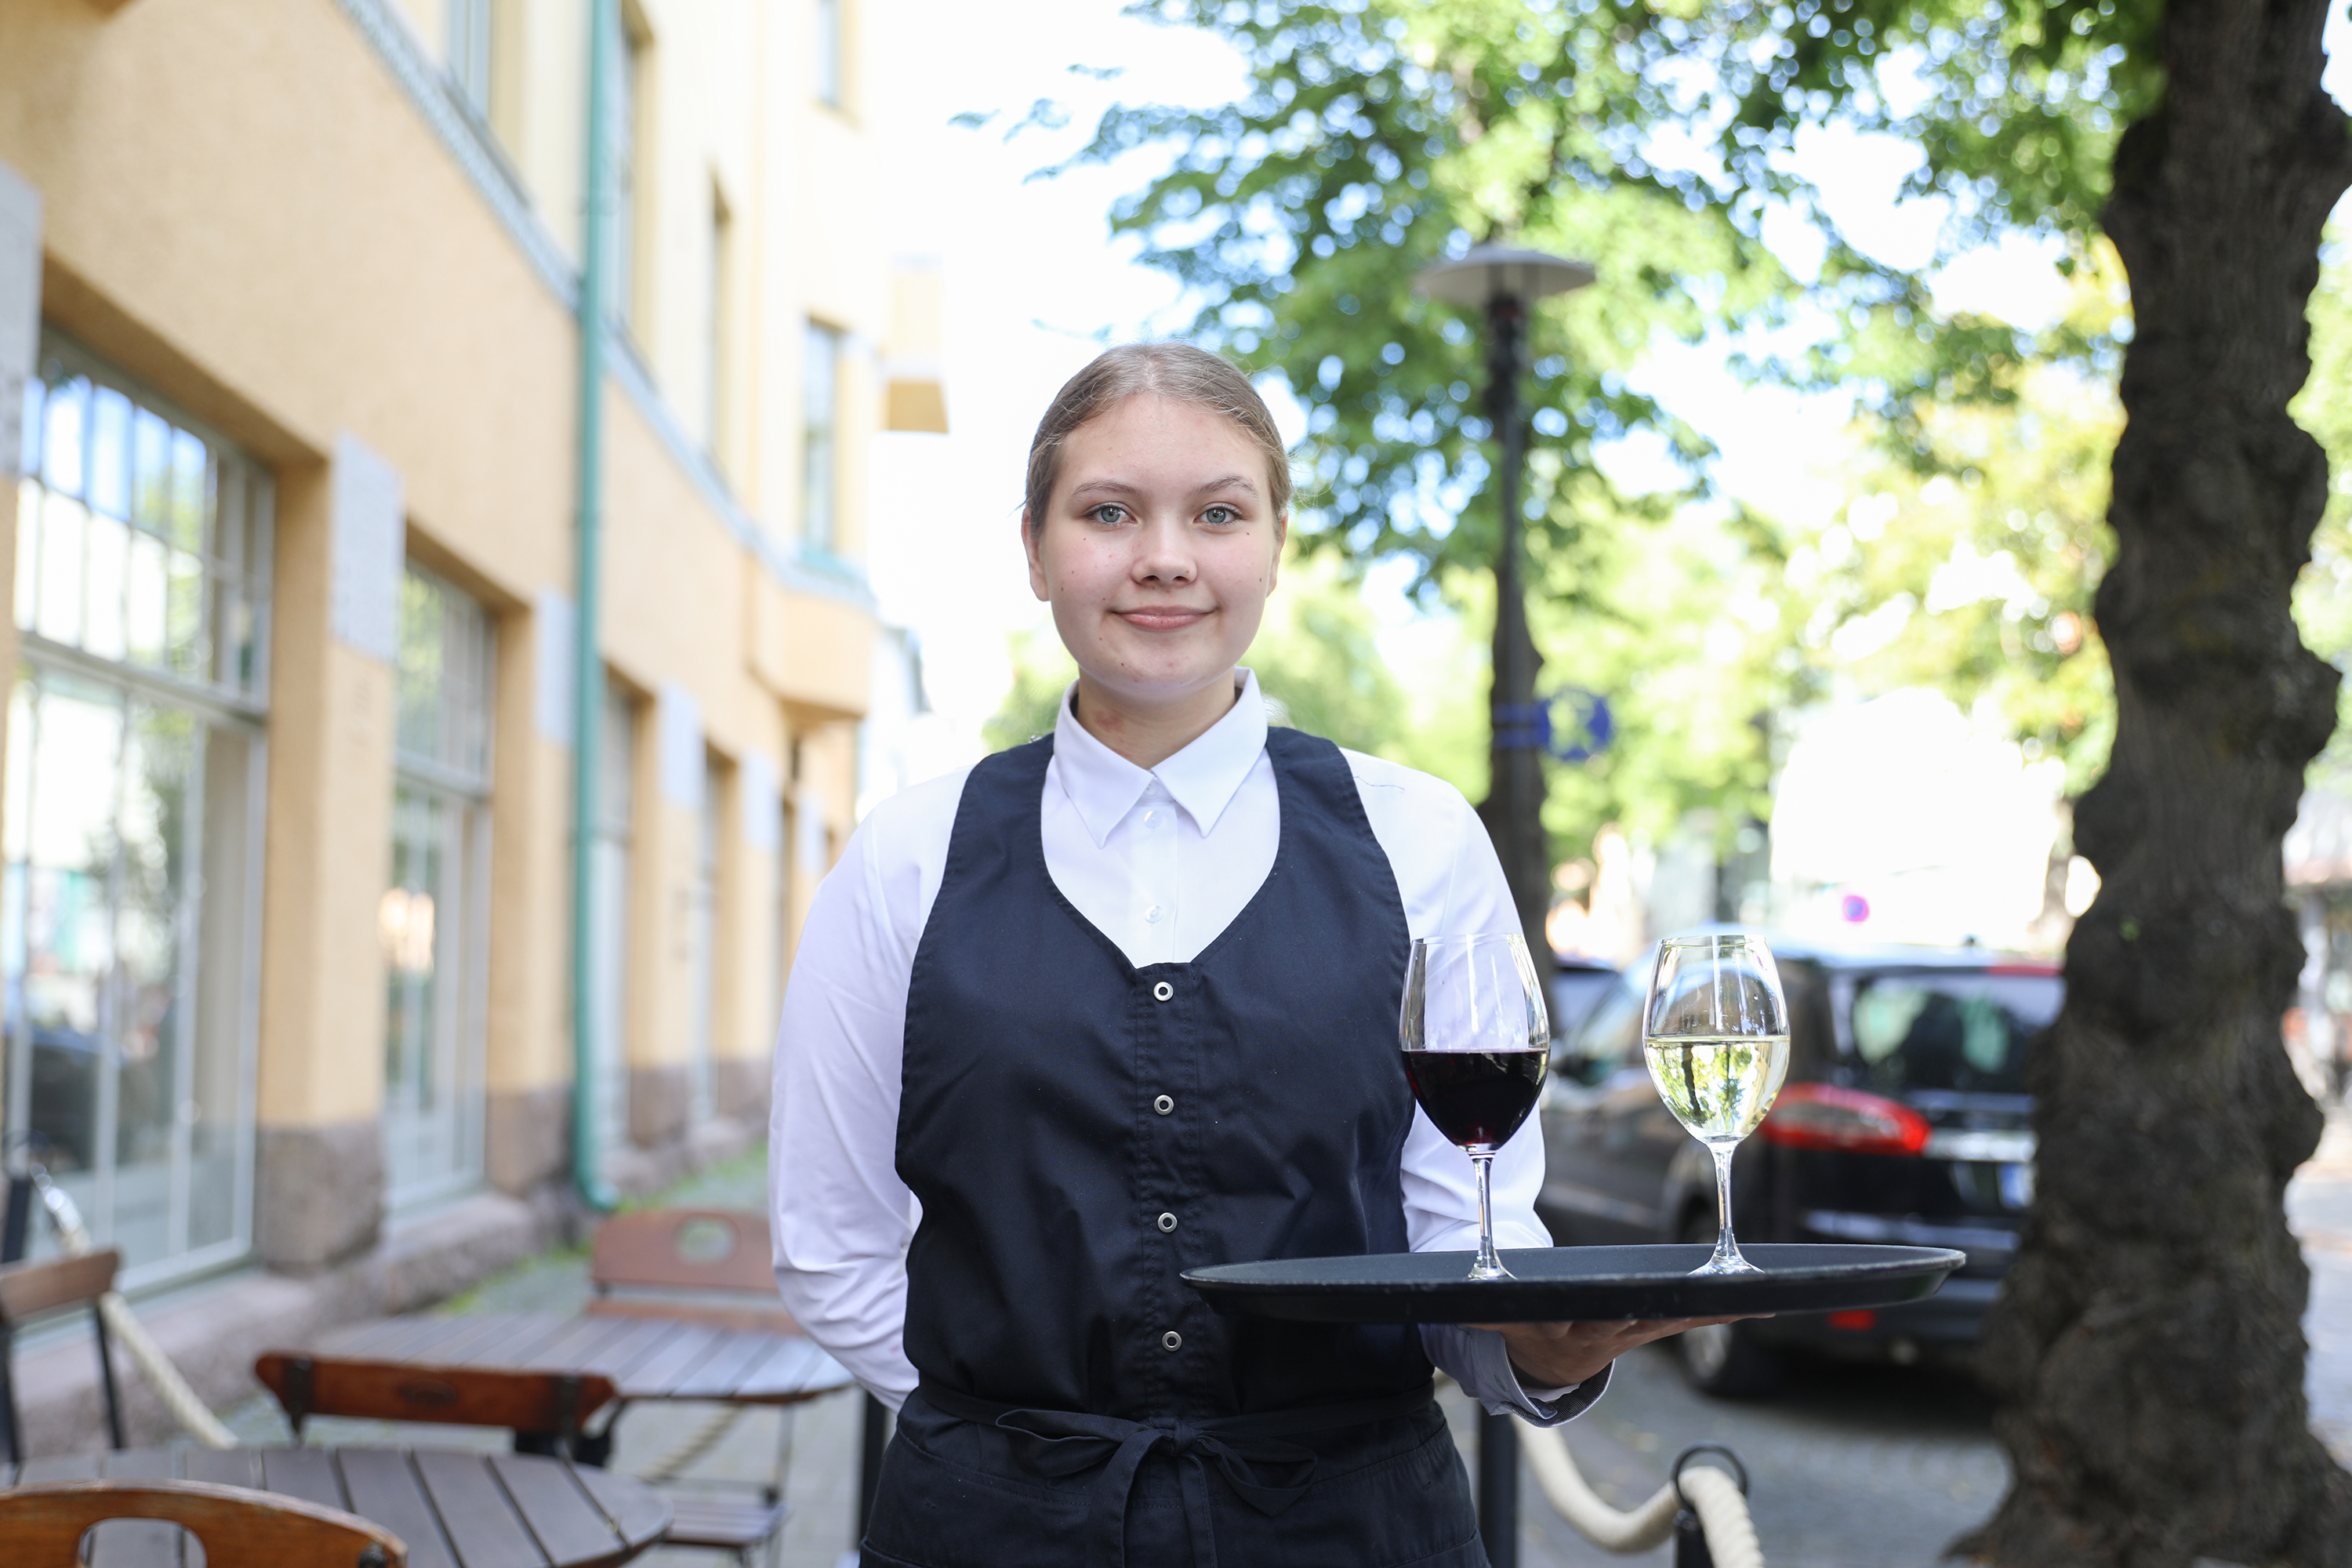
1499	1488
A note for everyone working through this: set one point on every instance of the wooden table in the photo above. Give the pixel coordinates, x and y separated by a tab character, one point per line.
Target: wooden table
453	1510
646	1357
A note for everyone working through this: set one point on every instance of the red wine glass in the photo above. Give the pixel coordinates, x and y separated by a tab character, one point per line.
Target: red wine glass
1477	1046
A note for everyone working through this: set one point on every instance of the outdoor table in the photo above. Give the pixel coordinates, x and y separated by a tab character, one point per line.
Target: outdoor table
453	1509
648	1358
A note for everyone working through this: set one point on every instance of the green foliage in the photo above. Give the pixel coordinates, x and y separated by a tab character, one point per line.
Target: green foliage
1042	671
2322	596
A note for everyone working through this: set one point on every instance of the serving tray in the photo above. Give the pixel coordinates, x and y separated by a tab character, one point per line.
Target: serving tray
1561	1284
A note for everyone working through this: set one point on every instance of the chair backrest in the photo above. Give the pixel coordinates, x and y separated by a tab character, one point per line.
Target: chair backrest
29	1287
44	1524
553	1402
685	1249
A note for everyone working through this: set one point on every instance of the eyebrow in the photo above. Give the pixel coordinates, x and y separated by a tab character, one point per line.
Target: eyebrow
1120	488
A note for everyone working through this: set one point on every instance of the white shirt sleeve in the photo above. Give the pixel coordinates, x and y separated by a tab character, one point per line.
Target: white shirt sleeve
1453	885
840	1216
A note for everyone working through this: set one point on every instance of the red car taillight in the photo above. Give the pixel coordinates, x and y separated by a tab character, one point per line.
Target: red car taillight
1823	1116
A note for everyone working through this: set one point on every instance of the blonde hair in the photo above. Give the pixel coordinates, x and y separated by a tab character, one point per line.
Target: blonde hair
1177	371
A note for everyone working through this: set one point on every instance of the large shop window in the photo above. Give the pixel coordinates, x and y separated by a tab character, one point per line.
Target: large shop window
130	904
608	915
703	947
433	918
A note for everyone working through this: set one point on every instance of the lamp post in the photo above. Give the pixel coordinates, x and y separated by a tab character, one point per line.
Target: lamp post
1503	282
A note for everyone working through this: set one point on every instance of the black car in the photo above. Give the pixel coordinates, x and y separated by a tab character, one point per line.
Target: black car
1577	985
1904	1119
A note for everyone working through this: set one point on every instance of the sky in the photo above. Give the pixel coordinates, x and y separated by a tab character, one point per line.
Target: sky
1035	288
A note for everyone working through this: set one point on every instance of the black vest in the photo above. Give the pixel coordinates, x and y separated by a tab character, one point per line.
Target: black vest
1031	1127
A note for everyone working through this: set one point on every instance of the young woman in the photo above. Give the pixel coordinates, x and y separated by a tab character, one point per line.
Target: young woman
1123	1001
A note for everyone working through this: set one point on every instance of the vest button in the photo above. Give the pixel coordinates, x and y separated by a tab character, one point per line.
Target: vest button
1168	1222
1161	992
1171	1341
1163	1105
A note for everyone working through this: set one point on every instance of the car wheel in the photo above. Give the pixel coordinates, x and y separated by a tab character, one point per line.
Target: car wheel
1723	1359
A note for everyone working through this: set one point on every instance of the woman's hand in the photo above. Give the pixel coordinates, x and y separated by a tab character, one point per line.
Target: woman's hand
1561	1355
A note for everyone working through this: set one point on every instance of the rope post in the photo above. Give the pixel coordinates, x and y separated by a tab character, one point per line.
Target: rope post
1692	1549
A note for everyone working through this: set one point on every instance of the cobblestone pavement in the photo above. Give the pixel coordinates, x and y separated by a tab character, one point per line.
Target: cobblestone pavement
1852	1467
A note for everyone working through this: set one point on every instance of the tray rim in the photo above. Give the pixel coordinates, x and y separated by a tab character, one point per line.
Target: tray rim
1213	1277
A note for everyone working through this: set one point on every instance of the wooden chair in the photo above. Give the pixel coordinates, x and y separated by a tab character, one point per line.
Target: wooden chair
44	1524
700	1266
710	1267
552	1405
27	1290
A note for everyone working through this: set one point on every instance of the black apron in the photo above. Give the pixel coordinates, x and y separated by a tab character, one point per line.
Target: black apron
1079	1132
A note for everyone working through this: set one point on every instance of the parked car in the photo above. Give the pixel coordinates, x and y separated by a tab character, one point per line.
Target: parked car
1578	984
1904	1119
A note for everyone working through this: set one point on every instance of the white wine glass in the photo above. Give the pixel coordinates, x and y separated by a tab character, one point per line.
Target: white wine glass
1715	1032
1478	1043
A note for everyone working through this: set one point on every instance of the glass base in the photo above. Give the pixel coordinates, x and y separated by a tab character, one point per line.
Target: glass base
1480	1268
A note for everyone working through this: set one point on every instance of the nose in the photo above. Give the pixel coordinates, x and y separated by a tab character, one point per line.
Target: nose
1164	552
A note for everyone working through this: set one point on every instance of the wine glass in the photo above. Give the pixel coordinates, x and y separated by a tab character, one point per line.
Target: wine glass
1477	1046
1715	1031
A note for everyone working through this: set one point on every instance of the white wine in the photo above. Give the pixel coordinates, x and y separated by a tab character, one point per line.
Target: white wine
1718	1086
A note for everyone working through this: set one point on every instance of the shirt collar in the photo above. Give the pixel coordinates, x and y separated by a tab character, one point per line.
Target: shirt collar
1203	778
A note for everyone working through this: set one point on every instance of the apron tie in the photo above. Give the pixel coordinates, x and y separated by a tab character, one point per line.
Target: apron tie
1249	1451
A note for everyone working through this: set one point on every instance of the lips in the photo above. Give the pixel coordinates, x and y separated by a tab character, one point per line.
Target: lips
1161	618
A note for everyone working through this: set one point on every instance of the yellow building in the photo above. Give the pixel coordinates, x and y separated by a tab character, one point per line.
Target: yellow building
291	426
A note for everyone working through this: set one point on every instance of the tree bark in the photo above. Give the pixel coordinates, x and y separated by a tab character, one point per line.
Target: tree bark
2148	1348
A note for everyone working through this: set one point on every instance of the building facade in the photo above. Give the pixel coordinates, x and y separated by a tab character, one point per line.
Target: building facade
290	470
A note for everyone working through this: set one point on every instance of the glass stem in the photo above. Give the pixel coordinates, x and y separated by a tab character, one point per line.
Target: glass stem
1726	1250
1490	1266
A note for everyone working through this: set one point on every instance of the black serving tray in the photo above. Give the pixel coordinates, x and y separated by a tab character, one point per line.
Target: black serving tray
1561	1284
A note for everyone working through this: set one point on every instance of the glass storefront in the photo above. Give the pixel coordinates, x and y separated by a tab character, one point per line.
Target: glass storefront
608	977
129	900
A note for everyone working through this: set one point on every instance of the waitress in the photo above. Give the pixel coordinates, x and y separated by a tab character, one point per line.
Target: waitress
1121	1003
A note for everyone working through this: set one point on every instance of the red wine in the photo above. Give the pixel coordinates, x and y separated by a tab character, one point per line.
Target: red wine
1476	1097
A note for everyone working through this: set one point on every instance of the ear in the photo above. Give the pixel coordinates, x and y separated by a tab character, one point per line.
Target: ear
1031	544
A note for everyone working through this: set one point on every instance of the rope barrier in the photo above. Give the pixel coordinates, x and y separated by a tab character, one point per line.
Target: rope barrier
1713	1495
193	1416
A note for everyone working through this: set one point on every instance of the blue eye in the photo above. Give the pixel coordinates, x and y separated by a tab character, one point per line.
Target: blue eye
1109	512
1217	516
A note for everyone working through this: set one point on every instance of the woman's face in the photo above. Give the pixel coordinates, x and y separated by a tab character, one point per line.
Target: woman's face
1159	549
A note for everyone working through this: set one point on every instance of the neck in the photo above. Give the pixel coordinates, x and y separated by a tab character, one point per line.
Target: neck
1148	733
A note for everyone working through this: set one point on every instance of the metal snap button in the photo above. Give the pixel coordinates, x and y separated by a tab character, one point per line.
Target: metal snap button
1168	1222
1163	991
1171	1341
1163	1105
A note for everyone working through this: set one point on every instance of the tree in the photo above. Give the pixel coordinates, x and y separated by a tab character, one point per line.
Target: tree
2148	1347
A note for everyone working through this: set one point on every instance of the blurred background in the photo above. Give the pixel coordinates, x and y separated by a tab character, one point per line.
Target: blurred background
329	328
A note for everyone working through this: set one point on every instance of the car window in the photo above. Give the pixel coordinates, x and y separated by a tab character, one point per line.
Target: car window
1608	1036
1573	993
1962	1032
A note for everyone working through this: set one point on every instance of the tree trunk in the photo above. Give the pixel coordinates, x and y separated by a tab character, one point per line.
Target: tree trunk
2148	1349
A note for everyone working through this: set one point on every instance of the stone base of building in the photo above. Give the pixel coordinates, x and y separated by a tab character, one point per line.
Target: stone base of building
637	1170
319	1196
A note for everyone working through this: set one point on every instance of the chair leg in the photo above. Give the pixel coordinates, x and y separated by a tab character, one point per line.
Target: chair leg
9	1427
106	1376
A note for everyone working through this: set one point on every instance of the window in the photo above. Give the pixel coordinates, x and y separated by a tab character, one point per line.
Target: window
831	47
608	916
821	447
703	947
433	918
626	128
468	48
129	900
718	362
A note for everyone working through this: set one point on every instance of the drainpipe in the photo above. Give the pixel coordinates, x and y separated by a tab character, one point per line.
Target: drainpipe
588	664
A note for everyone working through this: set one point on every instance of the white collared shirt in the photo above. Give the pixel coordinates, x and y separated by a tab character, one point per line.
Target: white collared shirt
1161	860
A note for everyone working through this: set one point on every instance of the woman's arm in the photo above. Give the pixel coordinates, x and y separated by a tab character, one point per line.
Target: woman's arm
841	1217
